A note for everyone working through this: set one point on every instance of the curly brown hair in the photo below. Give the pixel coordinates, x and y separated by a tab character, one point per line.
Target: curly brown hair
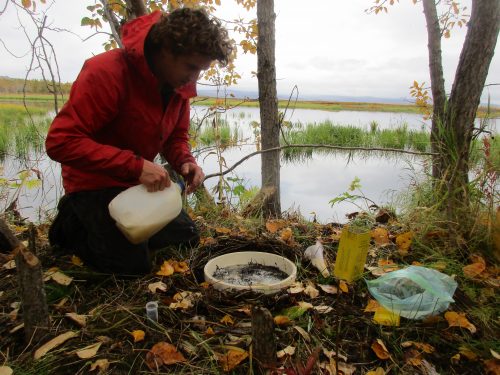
186	30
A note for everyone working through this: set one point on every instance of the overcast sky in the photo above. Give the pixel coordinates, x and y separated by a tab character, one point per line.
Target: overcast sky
325	47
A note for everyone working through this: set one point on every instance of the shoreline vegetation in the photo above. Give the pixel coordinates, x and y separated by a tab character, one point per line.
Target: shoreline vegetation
333	106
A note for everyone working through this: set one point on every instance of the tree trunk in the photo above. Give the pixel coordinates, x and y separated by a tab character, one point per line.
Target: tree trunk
437	83
268	101
263	341
472	70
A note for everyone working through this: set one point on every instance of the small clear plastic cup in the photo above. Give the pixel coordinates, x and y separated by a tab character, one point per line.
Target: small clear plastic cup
152	311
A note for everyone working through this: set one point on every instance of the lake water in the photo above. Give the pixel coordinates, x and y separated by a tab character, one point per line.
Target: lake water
305	186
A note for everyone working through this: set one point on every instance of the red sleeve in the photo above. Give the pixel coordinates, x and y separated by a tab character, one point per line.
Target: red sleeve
93	103
176	149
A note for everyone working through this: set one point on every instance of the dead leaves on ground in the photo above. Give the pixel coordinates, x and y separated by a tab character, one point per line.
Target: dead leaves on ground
231	358
456	319
169	267
163	353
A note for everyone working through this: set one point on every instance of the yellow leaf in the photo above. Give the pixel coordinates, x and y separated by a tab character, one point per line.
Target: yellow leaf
311	291
205	285
343	286
378	371
474	269
181	267
138	335
223	230
287	235
101	364
380	236
468	353
427	348
159	285
282	320
76	261
26	3
227	320
89	351
330	289
275	225
166	269
231	359
55	342
459	320
305	305
380	350
10	265
289	350
163	353
386	317
209	332
81	320
403	242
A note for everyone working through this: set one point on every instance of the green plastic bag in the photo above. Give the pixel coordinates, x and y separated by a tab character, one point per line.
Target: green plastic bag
414	292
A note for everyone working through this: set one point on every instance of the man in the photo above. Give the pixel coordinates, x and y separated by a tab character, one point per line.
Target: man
126	106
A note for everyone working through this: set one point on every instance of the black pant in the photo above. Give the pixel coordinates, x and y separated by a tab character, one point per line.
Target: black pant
84	227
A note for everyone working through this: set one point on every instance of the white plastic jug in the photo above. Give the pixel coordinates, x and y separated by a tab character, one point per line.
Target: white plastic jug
140	214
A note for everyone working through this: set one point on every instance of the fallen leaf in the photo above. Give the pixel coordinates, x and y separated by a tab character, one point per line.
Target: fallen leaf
343	286
427	348
492	366
89	351
275	225
346	369
311	291
223	230
287	235
138	335
330	289
101	365
468	353
166	269
294	312
380	350
181	267
247	310
439	266
378	371
380	236
494	354
372	306
282	320
81	320
10	265
386	317
403	242
76	261
296	287
413	357
232	358
6	370
55	342
207	241
333	354
227	320
323	309
163	353
289	350
459	320
159	285
17	328
475	269
305	305
303	333
61	278
205	285
209	332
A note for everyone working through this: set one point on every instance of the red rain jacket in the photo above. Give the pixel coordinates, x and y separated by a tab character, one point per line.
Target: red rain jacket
114	118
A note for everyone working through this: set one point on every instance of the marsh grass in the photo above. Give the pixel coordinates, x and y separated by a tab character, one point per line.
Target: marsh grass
20	134
223	134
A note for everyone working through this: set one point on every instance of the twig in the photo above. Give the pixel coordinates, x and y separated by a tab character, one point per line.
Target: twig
342	148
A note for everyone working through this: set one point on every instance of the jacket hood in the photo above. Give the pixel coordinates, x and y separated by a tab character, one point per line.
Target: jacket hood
134	34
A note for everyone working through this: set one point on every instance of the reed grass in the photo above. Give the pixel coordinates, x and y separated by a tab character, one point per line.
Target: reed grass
20	134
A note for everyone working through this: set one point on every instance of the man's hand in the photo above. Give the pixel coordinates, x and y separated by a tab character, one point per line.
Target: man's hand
154	176
193	175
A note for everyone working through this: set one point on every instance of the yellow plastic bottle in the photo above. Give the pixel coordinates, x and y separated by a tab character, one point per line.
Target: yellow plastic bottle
351	256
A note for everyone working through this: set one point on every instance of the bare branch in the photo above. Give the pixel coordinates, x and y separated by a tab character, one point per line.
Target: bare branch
341	148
